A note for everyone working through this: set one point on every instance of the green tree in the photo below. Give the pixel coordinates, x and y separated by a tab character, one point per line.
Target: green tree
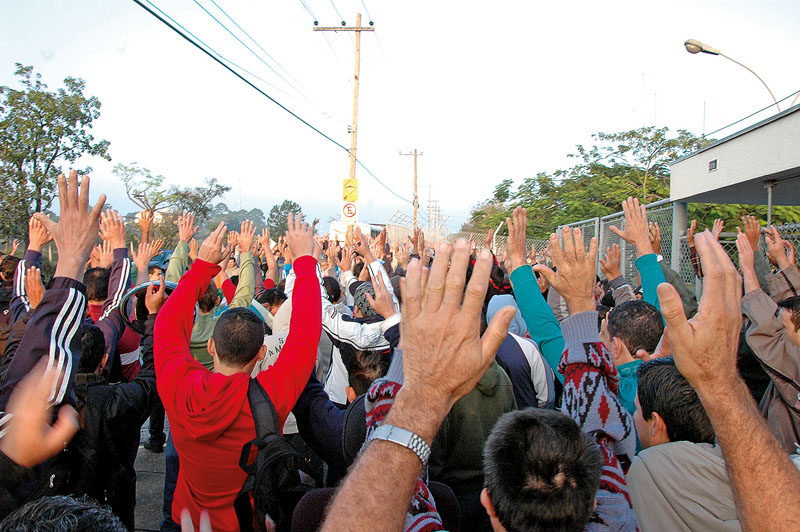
276	220
40	131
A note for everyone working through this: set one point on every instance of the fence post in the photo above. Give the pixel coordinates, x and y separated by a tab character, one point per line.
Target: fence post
680	220
599	244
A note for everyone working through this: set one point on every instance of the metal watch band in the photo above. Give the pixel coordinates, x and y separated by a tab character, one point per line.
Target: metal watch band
403	437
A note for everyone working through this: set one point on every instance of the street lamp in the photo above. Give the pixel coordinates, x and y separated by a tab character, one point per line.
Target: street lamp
694	46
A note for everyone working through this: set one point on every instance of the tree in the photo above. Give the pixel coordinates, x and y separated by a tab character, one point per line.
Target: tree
198	200
40	131
276	221
144	189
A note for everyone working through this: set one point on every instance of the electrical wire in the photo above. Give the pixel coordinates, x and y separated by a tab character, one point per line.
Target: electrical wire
254	41
751	114
313	16
324	35
337	11
270	98
366	10
248	48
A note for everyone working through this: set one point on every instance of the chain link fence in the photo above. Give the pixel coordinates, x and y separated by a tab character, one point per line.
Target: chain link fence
499	243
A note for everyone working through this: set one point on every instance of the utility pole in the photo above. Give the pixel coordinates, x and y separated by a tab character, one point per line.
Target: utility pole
416	198
350	186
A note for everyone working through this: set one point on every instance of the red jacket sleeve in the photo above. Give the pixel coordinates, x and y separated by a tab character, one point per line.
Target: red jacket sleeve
269	283
228	290
285	380
173	329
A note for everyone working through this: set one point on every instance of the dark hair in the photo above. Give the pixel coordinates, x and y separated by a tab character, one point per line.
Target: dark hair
93	347
542	472
791	304
364	366
96	281
333	289
357	269
273	296
62	513
208	300
663	389
8	266
602	313
153	267
238	335
638	324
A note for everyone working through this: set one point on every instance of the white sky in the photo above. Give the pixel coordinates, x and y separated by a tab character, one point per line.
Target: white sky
487	90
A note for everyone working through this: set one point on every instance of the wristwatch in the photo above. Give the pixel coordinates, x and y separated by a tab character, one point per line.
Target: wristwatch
403	437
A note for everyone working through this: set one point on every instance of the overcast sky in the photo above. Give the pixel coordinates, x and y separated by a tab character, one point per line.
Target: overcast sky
487	90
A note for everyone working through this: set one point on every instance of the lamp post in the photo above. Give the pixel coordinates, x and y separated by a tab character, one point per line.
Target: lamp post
694	46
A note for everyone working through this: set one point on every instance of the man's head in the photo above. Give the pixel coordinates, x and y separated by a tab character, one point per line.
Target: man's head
7	268
362	307
209	300
155	272
363	367
93	349
667	407
96	281
635	327
62	514
237	342
789	315
272	299
541	472
332	289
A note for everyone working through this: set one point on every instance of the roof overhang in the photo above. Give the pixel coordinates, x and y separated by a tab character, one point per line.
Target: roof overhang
738	168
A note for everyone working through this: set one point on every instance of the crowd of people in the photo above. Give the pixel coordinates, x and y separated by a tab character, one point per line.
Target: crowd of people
314	384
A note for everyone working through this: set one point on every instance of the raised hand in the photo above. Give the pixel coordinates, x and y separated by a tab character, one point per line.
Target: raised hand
14	247
299	236
145	222
383	303
30	439
775	249
76	229
789	247
575	275
360	243
517	237
246	236
94	256
746	261
690	233
752	228
193	249
346	262
211	248
186	227
145	253
636	227
34	287
155	296
38	236
112	229
655	237
611	265
233	238
106	255
263	239
443	353
719	225
705	347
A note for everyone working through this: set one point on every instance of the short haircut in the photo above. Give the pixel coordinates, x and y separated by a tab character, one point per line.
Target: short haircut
62	514
8	266
542	472
791	304
364	366
357	269
96	281
93	347
663	389
208	300
332	288
638	324
273	296
238	335
153	268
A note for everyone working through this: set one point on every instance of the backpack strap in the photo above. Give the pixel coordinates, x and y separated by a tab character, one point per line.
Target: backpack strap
265	419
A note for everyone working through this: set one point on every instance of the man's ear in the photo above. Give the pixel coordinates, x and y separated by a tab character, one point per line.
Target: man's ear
486	502
617	347
102	365
211	347
262	353
351	394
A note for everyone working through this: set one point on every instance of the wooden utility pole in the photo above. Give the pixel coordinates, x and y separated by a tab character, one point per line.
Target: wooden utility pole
416	198
350	194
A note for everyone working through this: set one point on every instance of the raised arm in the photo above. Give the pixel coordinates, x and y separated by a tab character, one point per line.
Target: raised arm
705	350
38	237
179	261
243	295
542	323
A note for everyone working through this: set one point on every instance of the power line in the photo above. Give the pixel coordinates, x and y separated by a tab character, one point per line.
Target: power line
366	10
254	41
327	40
248	48
337	12
309	10
270	98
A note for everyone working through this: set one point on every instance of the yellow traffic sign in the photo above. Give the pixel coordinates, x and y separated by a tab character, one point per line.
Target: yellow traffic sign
350	190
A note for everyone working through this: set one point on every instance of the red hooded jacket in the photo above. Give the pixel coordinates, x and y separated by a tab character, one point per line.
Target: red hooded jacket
209	414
